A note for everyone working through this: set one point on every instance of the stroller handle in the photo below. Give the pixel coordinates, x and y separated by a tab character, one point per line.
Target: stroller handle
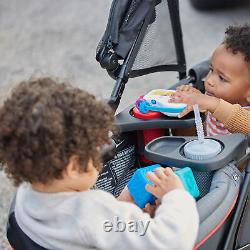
199	71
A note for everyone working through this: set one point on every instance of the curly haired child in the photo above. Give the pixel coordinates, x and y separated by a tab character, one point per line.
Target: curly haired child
227	86
51	136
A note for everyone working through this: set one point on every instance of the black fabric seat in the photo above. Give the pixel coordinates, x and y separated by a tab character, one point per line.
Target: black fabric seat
16	237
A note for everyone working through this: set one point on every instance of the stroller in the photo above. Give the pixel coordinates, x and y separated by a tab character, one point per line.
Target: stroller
142	37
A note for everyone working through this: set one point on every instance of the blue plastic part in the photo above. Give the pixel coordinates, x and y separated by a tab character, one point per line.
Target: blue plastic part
188	181
137	184
146	106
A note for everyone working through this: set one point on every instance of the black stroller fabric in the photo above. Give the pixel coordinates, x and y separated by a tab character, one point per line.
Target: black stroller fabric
117	172
125	20
148	29
158	45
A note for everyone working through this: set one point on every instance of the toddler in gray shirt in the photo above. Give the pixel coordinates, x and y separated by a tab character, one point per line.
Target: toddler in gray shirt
51	135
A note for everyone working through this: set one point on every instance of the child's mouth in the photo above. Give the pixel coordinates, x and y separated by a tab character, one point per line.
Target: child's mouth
209	93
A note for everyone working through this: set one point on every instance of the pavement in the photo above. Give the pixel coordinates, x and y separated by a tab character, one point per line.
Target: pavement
59	38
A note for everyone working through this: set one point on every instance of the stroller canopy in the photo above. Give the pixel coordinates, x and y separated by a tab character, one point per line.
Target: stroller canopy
145	36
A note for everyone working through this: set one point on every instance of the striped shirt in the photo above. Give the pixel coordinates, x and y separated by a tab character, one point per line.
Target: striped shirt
213	127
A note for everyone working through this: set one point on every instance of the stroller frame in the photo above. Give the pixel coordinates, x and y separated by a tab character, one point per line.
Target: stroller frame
124	72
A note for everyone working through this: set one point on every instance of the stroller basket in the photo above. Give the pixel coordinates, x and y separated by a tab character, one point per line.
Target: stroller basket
118	171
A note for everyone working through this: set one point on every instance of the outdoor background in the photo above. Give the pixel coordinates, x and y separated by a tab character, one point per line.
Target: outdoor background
59	38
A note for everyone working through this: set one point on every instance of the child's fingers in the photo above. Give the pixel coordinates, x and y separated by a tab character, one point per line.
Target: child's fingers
168	171
153	178
159	172
151	189
185	112
158	202
180	87
150	209
177	97
146	208
184	88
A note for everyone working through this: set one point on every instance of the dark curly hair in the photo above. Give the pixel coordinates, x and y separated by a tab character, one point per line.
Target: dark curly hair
237	39
43	123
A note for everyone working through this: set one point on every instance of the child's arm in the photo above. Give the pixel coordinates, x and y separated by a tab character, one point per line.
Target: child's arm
205	102
187	131
235	118
174	226
125	196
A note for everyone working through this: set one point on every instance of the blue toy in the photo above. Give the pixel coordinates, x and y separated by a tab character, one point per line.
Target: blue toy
137	183
139	180
188	181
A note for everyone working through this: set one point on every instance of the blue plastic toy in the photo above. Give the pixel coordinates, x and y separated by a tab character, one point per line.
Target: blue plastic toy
137	183
139	180
188	181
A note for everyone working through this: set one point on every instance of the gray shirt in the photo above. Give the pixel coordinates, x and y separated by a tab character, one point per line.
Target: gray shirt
94	218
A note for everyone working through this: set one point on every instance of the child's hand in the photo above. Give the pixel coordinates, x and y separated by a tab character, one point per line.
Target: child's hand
205	102
176	97
150	209
164	180
187	88
125	196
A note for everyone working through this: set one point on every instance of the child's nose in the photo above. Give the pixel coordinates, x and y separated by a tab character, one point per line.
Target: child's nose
210	80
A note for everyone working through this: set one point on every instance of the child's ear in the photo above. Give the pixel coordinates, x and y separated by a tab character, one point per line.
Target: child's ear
72	170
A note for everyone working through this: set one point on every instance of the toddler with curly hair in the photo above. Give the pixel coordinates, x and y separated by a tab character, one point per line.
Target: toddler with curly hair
227	86
51	136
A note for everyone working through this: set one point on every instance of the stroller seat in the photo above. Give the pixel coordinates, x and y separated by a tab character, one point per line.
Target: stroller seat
214	209
16	237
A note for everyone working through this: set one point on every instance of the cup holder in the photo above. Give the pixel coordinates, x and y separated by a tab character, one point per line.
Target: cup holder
169	150
204	150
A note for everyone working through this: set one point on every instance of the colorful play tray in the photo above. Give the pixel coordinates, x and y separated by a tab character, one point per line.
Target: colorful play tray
158	100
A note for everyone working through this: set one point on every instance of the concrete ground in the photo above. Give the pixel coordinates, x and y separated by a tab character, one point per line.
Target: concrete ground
59	38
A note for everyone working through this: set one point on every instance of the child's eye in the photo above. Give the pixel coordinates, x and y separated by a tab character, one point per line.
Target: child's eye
222	78
211	69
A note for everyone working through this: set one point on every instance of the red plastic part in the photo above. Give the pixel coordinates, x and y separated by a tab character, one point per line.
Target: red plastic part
151	134
148	134
150	115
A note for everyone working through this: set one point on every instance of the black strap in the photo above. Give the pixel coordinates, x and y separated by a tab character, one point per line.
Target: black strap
17	238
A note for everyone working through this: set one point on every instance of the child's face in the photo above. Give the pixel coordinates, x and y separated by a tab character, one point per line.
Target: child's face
73	179
87	179
229	77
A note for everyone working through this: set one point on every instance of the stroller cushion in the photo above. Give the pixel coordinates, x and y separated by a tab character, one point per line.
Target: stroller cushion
217	204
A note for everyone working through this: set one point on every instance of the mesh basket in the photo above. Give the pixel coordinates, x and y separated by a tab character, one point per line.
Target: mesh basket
158	45
117	172
203	180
